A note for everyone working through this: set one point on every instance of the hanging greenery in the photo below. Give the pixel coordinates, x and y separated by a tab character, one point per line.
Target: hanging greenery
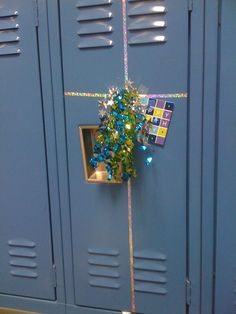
123	125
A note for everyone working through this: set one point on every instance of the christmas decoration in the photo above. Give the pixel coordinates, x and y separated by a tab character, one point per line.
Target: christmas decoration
127	122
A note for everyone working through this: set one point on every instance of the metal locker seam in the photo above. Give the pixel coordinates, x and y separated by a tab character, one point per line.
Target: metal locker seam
55	49
195	113
51	145
209	140
216	159
53	269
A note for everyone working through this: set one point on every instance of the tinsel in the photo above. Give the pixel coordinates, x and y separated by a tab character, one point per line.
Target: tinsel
123	127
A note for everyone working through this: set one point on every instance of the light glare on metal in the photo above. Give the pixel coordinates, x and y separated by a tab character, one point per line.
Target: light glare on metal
158	9
160	38
159	23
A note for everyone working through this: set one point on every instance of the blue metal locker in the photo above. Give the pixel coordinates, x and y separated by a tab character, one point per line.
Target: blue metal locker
93	53
98	213
26	263
102	43
159	193
225	270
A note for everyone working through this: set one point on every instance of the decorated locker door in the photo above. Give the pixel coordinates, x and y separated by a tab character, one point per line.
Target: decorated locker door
25	238
92	60
103	43
225	298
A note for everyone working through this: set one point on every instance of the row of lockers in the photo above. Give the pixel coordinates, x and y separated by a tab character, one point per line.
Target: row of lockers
64	243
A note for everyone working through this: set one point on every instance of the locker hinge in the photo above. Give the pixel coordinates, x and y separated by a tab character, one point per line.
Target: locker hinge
190	5
188	291
36	13
54	275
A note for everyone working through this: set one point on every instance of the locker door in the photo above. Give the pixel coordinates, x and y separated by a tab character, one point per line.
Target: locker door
25	236
159	193
225	298
93	60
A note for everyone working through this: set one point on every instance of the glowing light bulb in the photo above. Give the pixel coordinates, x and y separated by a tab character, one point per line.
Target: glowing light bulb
128	126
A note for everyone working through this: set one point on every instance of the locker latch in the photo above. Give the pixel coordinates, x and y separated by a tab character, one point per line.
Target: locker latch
36	13
188	291
54	276
190	5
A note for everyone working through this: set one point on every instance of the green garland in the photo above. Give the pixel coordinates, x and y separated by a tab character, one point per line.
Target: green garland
123	124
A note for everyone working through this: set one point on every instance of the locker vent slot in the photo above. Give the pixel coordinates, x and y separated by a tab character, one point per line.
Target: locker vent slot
147	22
9	37
92	3
104	268
22	258
150	272
95	27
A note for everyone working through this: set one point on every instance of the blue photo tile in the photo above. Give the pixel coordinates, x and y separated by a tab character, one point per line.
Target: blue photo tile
167	114
144	101
153	129
160	140
156	121
169	106
160	104
150	111
151	139
152	102
165	123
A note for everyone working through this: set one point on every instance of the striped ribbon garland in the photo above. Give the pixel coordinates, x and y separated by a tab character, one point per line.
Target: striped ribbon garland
101	95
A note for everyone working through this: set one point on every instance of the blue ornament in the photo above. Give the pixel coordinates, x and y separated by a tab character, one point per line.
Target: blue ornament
120	123
143	147
121	107
139	116
122	139
93	162
107	155
117	98
122	93
97	148
116	148
148	161
100	158
138	127
125	176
